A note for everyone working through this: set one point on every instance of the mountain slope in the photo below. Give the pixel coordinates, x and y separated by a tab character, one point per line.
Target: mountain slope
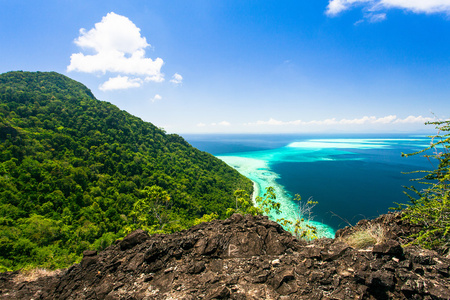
77	173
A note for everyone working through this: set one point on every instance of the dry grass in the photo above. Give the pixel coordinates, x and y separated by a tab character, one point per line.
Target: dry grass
365	237
35	274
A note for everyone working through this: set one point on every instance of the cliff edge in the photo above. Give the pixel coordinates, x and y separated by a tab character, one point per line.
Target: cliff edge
245	257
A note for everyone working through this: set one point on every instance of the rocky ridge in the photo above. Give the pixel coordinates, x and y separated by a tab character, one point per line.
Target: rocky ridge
246	257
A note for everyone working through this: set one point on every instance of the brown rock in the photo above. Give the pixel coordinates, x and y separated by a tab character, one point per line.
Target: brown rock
312	251
221	292
439	292
89	253
284	275
197	267
389	247
335	251
381	279
136	237
88	260
243	258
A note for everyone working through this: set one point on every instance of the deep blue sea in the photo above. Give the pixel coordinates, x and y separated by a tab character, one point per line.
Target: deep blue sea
352	177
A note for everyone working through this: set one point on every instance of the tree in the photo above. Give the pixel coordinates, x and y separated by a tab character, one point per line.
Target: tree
153	207
430	207
244	205
84	164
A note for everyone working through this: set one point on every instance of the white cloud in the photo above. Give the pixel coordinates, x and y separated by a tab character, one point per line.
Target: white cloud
336	6
420	6
360	121
417	6
119	83
156	98
274	122
413	119
322	122
176	78
116	46
391	119
114	32
374	18
155	78
224	123
386	120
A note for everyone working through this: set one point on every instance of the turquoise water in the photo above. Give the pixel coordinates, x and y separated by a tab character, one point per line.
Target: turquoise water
351	178
260	172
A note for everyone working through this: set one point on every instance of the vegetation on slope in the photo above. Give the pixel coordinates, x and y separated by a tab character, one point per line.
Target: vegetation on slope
77	173
430	207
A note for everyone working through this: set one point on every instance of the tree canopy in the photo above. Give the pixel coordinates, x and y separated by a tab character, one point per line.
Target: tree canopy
77	173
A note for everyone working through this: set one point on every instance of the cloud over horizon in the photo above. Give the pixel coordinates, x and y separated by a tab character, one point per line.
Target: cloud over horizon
335	7
389	123
391	119
117	47
223	123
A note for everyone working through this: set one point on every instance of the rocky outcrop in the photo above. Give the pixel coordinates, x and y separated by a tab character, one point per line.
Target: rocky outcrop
244	258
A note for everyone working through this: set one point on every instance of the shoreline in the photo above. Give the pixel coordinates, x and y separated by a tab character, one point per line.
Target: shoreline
259	172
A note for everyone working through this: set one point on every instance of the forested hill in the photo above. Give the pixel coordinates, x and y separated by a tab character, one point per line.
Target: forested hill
77	173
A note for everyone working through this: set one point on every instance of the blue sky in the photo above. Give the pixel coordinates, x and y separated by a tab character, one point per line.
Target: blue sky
245	66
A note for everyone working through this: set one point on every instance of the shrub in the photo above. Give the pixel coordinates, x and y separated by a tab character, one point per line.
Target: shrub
206	218
430	207
301	227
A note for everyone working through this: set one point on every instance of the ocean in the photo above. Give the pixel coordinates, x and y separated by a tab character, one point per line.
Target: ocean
352	177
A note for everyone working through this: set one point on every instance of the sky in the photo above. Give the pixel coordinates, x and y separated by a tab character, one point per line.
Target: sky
245	66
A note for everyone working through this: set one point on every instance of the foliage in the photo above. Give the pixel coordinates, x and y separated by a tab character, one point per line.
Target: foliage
267	203
301	227
151	210
243	203
77	173
430	207
206	218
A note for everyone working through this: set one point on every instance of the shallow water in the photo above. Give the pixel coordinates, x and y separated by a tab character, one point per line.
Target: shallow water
351	178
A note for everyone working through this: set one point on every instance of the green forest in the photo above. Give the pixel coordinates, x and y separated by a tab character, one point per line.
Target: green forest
77	173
